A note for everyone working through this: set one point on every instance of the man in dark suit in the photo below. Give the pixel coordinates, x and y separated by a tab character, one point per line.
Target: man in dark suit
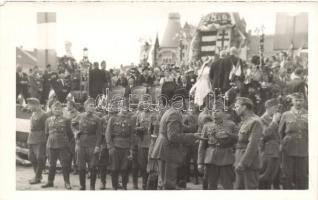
231	70
108	78
46	83
146	79
61	86
216	77
96	81
22	83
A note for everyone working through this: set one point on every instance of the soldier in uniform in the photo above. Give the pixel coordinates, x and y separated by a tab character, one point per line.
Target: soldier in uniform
87	129
247	157
152	165
204	117
270	145
293	129
216	153
37	139
169	147
143	140
59	134
190	125
70	112
119	141
104	156
134	162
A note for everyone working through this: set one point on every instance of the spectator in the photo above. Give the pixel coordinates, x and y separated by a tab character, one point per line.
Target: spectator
122	81
146	79
96	81
108	79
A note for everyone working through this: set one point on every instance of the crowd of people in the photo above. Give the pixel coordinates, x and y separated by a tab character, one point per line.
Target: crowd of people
252	133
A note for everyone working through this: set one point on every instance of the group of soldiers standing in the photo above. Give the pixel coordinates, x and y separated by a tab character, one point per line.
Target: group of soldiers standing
250	144
264	152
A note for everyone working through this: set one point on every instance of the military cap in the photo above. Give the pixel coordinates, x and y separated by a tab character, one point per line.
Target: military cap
297	96
89	101
33	101
271	102
57	104
244	101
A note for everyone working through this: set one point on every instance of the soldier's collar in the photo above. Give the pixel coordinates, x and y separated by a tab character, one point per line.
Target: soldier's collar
247	116
297	112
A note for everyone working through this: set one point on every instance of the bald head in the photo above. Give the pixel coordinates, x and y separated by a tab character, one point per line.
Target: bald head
233	51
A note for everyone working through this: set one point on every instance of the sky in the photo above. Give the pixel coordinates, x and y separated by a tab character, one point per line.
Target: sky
111	31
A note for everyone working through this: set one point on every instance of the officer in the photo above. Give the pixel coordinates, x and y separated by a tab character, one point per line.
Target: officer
293	129
59	134
204	117
270	144
247	158
87	129
104	156
119	141
190	125
134	161
152	165
143	140
216	153
169	147
37	139
70	112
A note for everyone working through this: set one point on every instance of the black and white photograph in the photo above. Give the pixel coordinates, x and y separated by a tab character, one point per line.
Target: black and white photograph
115	96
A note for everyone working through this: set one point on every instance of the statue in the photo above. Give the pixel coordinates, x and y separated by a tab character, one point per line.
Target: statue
68	46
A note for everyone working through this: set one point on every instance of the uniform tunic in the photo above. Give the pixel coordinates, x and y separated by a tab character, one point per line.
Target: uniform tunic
218	150
37	132
87	129
293	129
59	132
143	138
247	152
270	152
169	148
59	136
217	153
119	140
37	142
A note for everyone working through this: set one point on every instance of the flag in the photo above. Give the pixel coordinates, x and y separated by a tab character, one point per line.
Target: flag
291	29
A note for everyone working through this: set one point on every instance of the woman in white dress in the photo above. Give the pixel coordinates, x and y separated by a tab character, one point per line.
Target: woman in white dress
203	85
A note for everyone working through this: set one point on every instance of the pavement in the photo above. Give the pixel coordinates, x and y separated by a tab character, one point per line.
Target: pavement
24	174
